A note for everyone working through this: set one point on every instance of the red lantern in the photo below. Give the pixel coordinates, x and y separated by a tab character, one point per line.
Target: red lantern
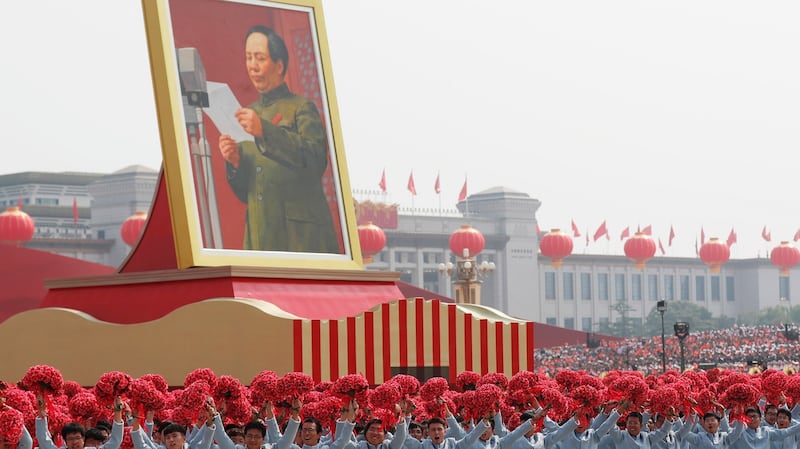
785	256
132	227
640	248
15	226
556	245
466	241
714	253
372	240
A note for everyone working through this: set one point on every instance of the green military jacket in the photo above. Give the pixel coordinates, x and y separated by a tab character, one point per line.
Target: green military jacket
279	178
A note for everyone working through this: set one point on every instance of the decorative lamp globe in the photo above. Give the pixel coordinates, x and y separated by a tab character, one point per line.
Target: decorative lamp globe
556	245
714	253
640	248
132	227
785	256
372	239
16	226
466	241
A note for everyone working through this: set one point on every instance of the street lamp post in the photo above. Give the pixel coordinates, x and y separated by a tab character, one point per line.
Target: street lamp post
681	331
661	306
467	277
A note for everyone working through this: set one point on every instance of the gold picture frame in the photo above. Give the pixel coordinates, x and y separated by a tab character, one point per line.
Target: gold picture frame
267	210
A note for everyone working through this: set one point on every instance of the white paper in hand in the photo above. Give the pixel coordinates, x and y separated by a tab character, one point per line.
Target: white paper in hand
222	107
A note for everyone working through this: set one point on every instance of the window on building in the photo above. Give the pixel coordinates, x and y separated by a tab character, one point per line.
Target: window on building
431	280
716	288
47	201
636	287
700	288
433	257
551	321
669	287
652	287
550	285
586	286
602	286
619	286
569	323
586	324
729	290
783	288
603	322
684	287
569	285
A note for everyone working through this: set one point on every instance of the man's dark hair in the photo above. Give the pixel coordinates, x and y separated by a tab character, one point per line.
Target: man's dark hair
372	421
172	428
71	428
710	415
96	433
316	423
636	415
275	45
103	424
162	425
414	425
785	411
437	420
525	416
756	410
256	425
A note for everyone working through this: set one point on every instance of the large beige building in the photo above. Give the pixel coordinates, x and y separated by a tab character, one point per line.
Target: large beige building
583	294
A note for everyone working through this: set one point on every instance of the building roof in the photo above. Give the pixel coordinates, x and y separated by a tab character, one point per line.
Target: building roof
37	177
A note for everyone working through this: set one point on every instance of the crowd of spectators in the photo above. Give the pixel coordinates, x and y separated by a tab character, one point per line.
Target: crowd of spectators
738	347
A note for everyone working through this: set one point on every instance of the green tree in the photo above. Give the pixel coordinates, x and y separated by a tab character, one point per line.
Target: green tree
698	317
778	315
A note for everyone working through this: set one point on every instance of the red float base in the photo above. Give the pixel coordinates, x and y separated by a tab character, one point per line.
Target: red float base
149	285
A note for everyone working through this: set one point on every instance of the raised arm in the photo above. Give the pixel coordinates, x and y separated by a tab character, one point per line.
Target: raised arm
608	423
25	440
400	435
738	428
285	442
117	427
565	429
472	436
40	426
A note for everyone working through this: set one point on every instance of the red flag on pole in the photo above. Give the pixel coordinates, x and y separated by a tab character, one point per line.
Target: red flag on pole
702	236
671	235
625	233
463	194
382	184
648	230
437	187
75	215
661	246
601	231
575	231
411	187
538	230
797	235
766	235
731	238
19	202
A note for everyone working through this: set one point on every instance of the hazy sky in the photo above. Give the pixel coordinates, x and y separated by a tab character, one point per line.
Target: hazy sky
682	113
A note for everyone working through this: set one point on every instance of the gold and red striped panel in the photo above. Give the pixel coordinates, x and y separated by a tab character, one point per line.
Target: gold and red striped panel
411	332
